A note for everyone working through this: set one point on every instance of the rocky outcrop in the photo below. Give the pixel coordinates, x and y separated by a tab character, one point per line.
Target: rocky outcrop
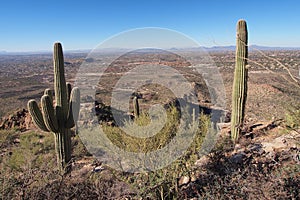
20	120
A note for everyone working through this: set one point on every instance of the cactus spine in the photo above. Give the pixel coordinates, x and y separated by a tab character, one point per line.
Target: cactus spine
59	118
239	93
136	108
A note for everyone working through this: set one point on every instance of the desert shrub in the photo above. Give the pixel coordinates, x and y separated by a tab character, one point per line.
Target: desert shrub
136	144
293	117
162	183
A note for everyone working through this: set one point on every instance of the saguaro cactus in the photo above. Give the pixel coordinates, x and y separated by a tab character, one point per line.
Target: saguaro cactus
62	116
136	108
239	93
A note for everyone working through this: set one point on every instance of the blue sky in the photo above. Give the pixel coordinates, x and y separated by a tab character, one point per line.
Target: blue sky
36	25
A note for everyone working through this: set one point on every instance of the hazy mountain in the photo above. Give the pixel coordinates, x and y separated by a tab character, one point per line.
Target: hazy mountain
251	48
3	52
111	50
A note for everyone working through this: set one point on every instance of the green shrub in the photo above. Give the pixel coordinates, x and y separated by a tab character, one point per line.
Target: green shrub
292	118
136	144
30	151
162	183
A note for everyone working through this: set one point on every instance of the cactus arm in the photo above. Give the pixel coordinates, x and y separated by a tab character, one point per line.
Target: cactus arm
60	83
49	92
74	108
75	99
36	115
48	114
239	93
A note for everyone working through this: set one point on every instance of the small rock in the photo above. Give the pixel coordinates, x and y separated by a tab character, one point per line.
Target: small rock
297	157
256	148
237	146
202	161
17	141
98	169
193	178
275	144
82	171
184	180
238	158
249	135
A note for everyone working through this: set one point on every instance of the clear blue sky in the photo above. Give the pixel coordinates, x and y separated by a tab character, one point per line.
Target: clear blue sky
35	25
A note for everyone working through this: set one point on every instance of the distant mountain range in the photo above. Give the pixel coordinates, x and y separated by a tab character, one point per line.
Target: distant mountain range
251	47
212	49
42	52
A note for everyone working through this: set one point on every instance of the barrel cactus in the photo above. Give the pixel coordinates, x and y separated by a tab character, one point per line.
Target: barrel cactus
60	117
239	93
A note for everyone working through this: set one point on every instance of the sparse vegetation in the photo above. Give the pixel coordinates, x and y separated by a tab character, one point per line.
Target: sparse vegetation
262	163
293	117
148	144
162	183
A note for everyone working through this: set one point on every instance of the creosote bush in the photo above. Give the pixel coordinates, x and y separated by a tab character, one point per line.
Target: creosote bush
162	183
135	144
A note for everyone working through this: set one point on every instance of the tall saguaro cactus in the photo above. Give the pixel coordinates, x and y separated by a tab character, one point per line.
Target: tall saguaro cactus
239	93
62	116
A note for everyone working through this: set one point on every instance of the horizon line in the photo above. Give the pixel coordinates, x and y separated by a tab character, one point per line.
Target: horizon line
221	47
